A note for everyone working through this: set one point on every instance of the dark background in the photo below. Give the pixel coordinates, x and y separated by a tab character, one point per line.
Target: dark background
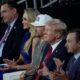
66	10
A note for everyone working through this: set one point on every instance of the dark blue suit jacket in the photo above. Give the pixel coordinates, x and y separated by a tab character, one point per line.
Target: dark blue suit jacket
61	53
74	70
12	46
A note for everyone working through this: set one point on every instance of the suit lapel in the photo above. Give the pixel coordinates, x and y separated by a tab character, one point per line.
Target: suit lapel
14	27
58	50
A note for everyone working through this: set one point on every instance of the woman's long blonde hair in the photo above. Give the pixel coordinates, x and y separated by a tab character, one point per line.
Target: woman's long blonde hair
31	14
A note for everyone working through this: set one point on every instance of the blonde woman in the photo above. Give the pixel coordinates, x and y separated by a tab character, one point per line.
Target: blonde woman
28	16
26	48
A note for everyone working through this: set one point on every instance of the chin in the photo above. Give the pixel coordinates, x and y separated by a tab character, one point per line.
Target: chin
24	28
70	51
45	40
5	21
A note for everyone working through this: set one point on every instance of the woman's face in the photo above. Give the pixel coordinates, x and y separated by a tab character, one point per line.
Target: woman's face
25	21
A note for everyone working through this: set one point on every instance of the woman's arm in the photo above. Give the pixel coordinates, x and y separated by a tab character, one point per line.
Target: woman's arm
34	44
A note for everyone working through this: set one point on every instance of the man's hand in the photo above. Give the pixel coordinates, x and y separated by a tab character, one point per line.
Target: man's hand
9	62
58	63
43	71
60	76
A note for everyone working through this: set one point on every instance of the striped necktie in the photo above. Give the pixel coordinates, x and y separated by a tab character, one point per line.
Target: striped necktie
4	38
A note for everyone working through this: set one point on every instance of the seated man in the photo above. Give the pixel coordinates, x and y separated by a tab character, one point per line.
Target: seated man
12	33
55	32
73	67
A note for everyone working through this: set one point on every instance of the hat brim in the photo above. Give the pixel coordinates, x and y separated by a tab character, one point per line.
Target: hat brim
37	24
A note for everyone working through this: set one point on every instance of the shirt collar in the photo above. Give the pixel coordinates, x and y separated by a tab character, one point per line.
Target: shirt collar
55	45
77	55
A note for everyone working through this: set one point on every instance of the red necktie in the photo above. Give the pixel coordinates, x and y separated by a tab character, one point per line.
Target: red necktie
48	55
45	61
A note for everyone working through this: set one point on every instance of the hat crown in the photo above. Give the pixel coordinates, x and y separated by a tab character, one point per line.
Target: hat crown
41	20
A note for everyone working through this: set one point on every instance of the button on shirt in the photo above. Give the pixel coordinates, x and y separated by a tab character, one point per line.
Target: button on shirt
2	45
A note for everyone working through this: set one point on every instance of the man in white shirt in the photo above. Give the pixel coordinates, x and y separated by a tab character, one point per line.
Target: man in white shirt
55	32
73	67
12	38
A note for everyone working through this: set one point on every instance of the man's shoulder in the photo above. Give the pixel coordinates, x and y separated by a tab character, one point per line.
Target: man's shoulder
18	22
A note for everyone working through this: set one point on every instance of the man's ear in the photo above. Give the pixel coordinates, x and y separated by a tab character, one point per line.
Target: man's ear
58	35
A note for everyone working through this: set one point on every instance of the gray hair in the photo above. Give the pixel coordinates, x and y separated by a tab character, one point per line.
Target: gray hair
59	25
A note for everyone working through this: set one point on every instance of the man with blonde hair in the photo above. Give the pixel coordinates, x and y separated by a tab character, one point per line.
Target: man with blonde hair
55	32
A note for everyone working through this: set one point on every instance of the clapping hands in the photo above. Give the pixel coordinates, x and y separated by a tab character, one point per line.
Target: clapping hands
8	65
59	73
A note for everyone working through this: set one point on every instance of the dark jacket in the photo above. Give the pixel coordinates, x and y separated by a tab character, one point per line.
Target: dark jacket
61	53
11	48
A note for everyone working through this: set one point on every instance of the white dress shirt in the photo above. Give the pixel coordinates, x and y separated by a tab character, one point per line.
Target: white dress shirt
2	45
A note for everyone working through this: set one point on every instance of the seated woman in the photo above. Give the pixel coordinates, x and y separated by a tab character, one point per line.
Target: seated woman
26	48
